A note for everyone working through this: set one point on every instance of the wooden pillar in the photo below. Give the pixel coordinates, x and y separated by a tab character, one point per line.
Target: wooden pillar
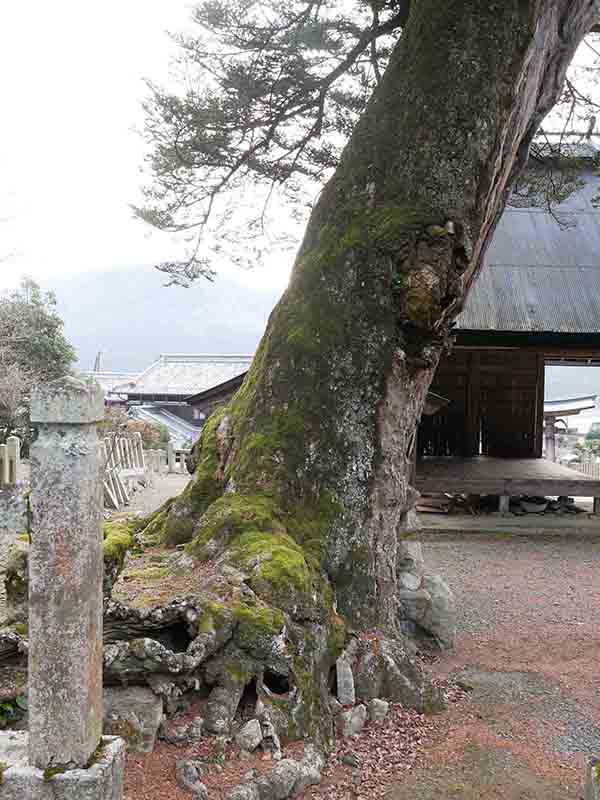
473	409
539	406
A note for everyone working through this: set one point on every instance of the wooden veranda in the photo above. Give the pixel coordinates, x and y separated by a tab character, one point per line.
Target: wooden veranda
505	477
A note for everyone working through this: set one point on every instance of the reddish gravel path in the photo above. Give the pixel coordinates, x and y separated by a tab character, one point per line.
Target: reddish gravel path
528	648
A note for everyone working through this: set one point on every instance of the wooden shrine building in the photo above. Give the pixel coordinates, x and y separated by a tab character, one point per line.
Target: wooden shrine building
536	302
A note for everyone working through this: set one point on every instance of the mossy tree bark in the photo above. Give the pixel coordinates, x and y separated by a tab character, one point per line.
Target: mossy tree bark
303	480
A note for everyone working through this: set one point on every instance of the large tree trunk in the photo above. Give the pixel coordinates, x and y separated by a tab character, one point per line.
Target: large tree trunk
303	480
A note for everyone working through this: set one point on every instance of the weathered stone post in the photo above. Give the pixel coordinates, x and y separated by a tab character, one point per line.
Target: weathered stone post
13	447
171	456
65	575
592	779
4	468
64	755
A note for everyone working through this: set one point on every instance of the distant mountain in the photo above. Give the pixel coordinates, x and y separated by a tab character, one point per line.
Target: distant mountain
132	317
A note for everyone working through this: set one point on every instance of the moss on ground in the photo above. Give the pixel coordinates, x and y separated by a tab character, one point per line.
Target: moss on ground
146	574
118	538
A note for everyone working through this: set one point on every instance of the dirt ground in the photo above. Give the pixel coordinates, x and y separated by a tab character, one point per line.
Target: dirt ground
527	713
527	653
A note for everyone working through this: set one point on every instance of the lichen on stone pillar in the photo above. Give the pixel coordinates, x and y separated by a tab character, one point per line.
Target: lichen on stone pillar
66	570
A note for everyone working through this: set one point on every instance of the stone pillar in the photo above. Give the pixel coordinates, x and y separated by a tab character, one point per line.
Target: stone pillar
504	504
550	438
13	444
592	779
171	457
65	575
4	469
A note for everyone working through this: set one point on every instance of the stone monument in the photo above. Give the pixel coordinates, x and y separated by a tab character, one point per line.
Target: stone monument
64	756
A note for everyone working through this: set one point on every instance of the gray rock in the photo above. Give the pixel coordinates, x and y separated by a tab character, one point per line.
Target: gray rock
135	714
249	736
244	791
221	707
386	668
431	608
280	782
345	681
378	709
270	742
182	735
188	777
195	729
335	706
409	556
439	618
408	580
352	721
16	580
287	779
251	774
20	781
309	773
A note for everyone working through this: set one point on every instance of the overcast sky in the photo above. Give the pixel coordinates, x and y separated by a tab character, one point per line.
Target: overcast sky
72	81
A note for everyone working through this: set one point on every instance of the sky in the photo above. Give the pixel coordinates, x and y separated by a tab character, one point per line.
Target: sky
72	84
70	159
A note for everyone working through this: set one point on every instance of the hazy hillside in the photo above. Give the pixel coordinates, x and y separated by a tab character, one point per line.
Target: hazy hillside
132	317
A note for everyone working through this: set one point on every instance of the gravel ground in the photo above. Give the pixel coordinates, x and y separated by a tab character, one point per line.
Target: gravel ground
152	497
527	649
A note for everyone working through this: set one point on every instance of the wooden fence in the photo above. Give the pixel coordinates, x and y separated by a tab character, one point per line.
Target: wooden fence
127	465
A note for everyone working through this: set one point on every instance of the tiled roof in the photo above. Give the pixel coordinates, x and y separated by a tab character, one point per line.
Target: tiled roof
183	375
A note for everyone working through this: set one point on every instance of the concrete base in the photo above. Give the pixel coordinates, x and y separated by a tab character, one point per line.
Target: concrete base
19	781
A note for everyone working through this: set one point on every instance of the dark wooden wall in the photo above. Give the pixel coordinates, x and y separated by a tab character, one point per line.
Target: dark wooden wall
496	405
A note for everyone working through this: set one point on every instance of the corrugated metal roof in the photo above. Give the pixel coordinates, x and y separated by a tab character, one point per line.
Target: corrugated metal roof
183	375
540	276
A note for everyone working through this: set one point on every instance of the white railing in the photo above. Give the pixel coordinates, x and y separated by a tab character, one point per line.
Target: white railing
176	458
125	466
591	468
